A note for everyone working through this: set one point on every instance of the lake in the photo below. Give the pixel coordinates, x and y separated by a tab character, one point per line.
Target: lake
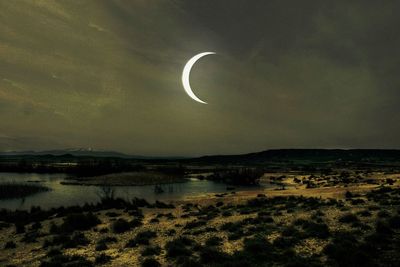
68	195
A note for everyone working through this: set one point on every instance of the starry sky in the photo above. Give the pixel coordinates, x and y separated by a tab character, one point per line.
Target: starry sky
106	74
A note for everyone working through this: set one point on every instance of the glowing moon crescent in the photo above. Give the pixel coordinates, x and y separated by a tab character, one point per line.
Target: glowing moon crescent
186	75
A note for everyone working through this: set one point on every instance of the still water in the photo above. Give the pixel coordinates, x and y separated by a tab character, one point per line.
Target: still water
67	195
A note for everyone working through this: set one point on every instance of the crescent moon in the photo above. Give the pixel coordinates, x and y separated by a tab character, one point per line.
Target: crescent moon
186	75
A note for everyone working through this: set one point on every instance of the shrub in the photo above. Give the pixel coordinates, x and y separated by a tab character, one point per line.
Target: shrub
4	225
394	222
53	252
365	213
383	228
150	262
108	239
103	230
348	218
30	237
171	232
120	226
112	214
383	214
219	204
64	260
66	241
102	258
10	245
242	176
257	247
101	246
143	238
36	226
19	228
102	243
345	250
80	222
231	227
211	255
195	224
179	247
213	241
348	194
318	230
226	213
151	251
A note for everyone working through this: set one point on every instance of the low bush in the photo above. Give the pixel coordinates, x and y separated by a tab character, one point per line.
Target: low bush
318	230
345	250
30	237
36	226
194	224
76	222
151	251
179	247
394	222
120	226
102	259
19	228
101	246
213	241
242	176
112	214
383	214
348	218
66	261
10	245
212	256
365	213
67	241
144	237
150	262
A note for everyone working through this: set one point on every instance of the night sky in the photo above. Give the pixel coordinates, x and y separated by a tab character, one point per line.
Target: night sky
287	74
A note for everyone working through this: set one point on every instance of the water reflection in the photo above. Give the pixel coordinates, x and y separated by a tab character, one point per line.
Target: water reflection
67	195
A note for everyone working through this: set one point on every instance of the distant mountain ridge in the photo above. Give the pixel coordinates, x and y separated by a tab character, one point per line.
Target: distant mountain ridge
305	154
255	157
74	152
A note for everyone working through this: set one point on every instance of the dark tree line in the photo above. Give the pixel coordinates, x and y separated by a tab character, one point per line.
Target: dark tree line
240	176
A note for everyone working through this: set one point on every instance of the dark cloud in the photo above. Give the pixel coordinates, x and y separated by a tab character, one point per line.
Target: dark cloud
106	74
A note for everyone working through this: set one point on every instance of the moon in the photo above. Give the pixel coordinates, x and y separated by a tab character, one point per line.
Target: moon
186	75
